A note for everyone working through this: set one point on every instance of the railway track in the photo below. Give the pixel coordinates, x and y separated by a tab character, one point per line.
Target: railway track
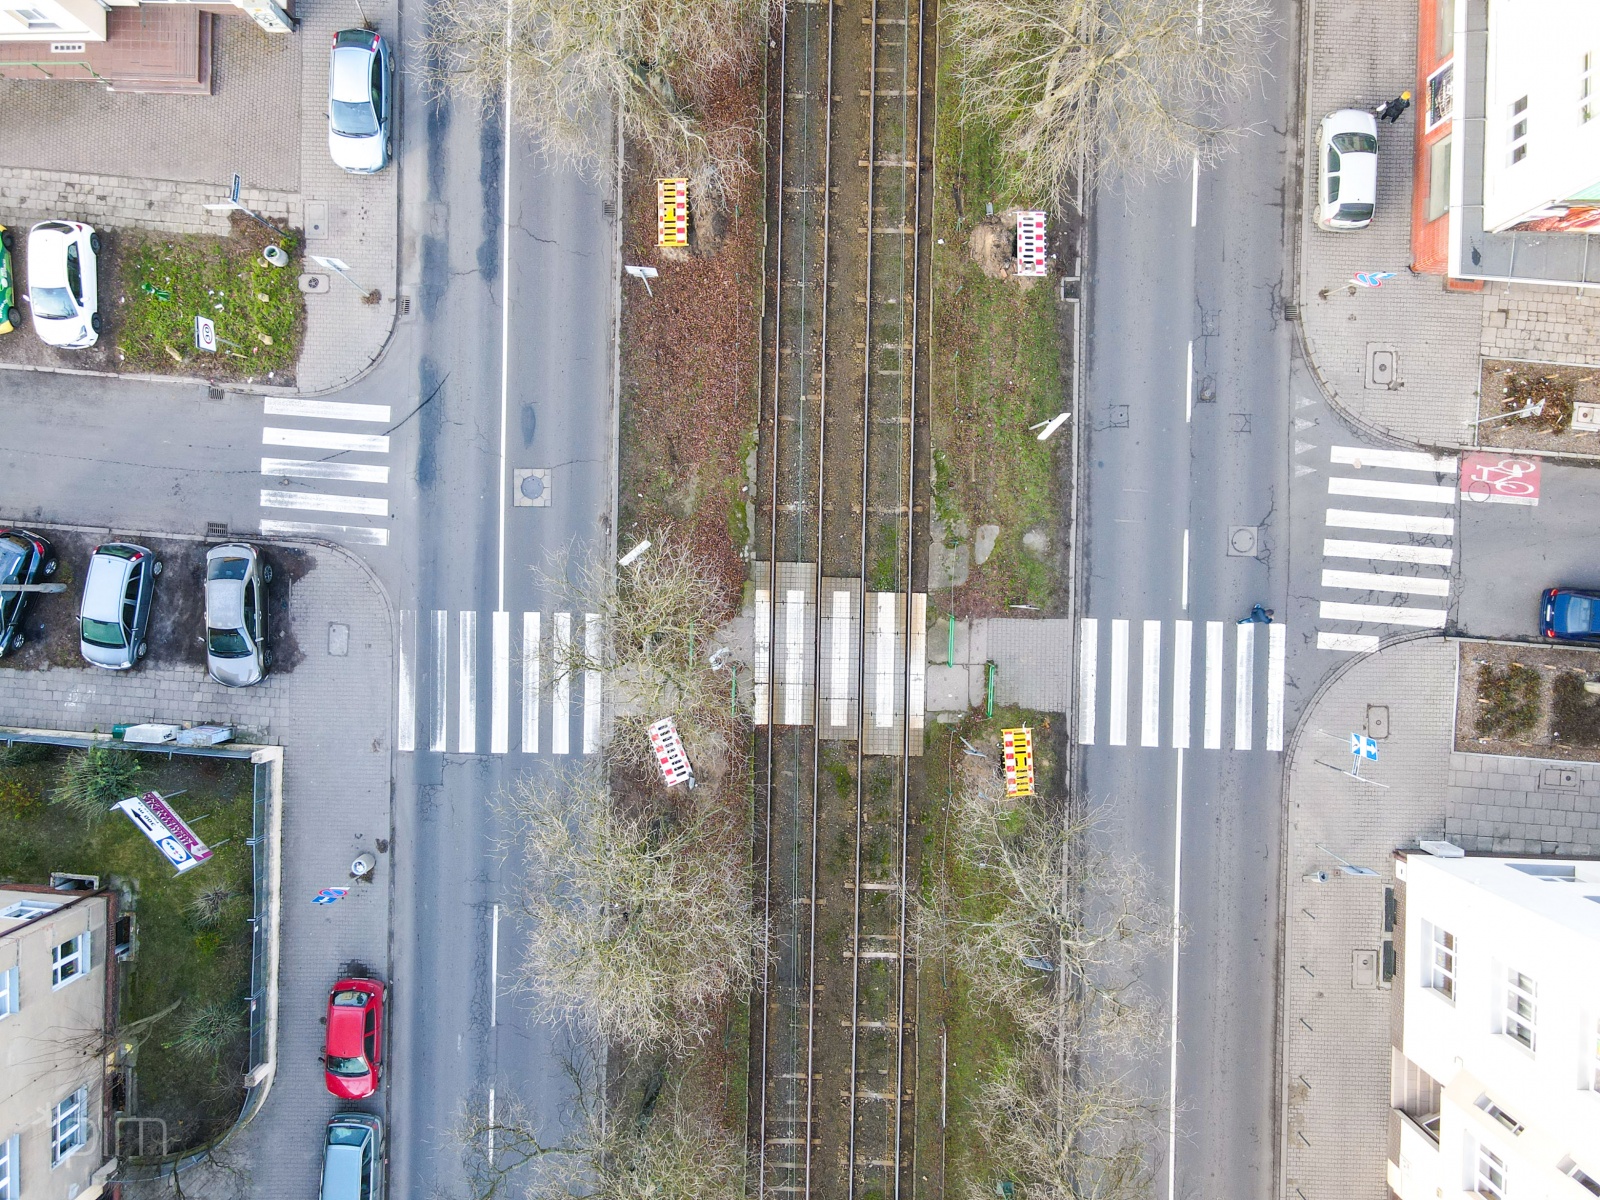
839	590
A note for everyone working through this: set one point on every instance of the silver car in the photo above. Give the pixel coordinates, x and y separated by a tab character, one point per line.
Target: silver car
360	101
116	605
236	615
352	1157
1347	189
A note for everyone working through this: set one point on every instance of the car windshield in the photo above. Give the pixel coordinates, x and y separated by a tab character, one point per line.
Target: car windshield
12	556
354	118
346	1135
348	1066
1355	143
227	568
53	303
102	633
1355	212
1580	614
227	643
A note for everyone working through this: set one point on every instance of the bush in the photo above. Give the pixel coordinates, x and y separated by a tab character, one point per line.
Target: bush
1575	714
95	779
1510	700
208	1030
209	903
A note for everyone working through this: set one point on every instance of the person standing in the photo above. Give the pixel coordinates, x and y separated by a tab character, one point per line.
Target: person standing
1259	615
1390	110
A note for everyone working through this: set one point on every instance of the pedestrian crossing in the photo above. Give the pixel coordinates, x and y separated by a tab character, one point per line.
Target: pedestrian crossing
1168	669
450	662
1388	548
305	457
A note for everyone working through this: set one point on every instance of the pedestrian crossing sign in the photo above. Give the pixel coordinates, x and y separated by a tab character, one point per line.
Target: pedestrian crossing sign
1363	747
1018	747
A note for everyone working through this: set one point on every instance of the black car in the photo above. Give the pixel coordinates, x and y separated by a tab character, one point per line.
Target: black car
24	558
1570	614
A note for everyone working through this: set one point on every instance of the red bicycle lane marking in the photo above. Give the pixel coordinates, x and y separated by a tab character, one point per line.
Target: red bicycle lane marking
1489	478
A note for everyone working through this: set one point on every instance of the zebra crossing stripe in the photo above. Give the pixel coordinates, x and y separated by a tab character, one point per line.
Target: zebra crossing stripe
363	535
1213	730
1360	643
406	685
367	506
1394	460
467	668
1383	489
1383	614
1088	666
1350	518
500	684
1244	677
1150	687
343	472
325	410
1182	666
1118	733
530	683
592	643
561	693
441	662
1432	556
326	439
1373	581
1277	648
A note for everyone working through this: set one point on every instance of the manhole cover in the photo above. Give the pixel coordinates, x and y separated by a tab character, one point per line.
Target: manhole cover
532	487
1383	367
1243	541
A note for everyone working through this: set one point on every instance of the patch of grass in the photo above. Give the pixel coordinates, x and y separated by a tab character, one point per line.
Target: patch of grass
1509	701
168	281
1574	713
183	963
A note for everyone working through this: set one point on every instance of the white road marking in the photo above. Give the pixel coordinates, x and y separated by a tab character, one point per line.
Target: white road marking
794	669
362	535
1350	518
325	410
1185	570
301	468
505	316
593	650
1182	669
1244	678
1213	730
883	717
1194	195
763	652
561	692
1382	614
1277	647
441	680
1394	460
494	972
500	684
917	652
839	673
1387	552
1360	643
530	683
322	439
366	506
1188	389
406	685
1118	735
1374	581
1150	687
1382	489
467	675
1088	665
1177	942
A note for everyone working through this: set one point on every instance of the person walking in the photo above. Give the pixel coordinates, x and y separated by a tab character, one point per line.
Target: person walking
1258	616
1390	110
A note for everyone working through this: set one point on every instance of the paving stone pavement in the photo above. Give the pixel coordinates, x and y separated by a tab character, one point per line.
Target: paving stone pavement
163	184
1542	324
1033	660
332	715
1337	1033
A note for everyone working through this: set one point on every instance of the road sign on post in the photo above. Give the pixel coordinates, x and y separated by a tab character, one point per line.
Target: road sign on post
674	763
1031	246
233	192
1362	746
1017	745
672	212
205	335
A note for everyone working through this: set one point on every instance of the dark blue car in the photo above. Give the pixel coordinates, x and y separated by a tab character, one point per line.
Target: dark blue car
1570	614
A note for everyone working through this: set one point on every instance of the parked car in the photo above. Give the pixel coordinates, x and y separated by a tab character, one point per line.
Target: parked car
1347	191
8	283
360	101
64	283
24	558
353	1051
1570	614
236	615
116	605
352	1157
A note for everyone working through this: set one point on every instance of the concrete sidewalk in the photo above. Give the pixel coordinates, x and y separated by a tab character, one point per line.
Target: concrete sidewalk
1429	338
155	161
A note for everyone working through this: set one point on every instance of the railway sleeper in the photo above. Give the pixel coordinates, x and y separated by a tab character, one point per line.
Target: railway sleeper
794	1141
891	1026
886	1097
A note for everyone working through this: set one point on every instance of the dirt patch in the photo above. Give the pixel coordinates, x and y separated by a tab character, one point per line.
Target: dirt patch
177	614
1510	386
22	346
1528	701
992	245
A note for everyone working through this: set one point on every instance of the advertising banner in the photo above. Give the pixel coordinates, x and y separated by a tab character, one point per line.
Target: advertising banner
171	835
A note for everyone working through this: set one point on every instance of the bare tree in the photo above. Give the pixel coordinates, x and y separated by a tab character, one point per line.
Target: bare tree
665	1154
1138	86
637	929
1052	926
659	617
572	65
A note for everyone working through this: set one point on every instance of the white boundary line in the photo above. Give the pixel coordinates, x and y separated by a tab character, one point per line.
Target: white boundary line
1088	667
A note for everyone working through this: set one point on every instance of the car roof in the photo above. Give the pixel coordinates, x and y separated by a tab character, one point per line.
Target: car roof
350	74
102	590
225	603
346	1027
47	257
341	1173
1358	178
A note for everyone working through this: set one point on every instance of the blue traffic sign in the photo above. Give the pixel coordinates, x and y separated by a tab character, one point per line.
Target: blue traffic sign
329	895
1363	747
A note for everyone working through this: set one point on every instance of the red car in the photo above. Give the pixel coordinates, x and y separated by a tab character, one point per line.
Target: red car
354	1051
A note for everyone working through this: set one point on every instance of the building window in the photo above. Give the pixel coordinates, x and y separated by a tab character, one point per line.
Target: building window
1518	136
1549	872
1580	1177
69	1130
1586	91
10	1185
1491	1180
27	910
1444	28
1522	996
1441	95
8	993
1511	1124
1438	179
34	18
1442	969
69	961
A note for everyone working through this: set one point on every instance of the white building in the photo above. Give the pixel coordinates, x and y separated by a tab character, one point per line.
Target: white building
1496	1067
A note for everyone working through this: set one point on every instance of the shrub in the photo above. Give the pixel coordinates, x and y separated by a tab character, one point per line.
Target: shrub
95	779
1510	700
210	903
207	1030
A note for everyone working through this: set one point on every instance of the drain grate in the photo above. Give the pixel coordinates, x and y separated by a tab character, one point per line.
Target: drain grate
1291	311
216	529
611	208
405	306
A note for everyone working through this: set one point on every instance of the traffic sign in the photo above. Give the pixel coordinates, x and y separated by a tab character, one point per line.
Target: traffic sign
205	335
233	192
330	895
1362	746
1371	279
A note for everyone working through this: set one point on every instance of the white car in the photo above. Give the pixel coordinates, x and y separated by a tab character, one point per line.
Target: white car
1347	191
360	101
64	283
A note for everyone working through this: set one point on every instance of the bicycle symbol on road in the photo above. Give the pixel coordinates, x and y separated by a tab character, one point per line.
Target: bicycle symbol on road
1492	479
